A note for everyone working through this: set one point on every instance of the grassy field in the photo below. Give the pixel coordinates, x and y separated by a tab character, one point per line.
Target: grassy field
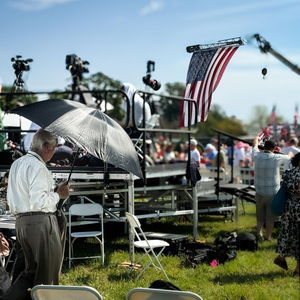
251	275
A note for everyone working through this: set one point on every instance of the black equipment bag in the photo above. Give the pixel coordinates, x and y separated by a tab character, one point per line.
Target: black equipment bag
226	247
164	285
202	256
177	241
246	241
199	253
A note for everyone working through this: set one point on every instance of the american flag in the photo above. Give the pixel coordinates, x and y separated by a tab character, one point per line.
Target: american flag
204	74
273	114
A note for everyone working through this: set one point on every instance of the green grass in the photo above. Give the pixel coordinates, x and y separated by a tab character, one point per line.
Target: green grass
252	275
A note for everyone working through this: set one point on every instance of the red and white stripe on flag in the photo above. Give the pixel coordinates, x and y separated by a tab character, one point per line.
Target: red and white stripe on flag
202	80
273	114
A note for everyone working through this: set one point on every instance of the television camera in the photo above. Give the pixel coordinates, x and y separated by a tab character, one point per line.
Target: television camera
20	65
263	137
77	67
153	83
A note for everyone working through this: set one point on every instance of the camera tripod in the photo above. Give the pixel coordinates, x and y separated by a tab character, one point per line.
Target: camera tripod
77	67
20	65
19	85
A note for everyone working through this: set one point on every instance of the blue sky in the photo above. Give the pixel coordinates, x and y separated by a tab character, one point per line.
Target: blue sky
118	37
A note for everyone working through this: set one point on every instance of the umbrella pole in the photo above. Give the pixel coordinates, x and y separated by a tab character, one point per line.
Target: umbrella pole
72	167
61	202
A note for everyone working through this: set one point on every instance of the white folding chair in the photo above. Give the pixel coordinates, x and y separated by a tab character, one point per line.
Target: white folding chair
158	294
147	245
85	210
64	292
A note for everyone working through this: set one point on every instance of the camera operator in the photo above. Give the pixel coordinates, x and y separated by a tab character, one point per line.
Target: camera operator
20	65
77	67
129	89
153	83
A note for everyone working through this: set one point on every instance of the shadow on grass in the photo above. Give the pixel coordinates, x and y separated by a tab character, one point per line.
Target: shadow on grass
83	280
83	263
125	276
168	227
248	278
180	225
270	246
249	213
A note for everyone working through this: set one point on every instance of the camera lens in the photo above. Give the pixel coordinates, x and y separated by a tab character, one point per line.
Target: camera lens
156	85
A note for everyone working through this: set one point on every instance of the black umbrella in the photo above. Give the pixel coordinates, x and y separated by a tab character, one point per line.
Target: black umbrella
88	128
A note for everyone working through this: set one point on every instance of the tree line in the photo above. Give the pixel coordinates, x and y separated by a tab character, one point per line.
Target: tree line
168	109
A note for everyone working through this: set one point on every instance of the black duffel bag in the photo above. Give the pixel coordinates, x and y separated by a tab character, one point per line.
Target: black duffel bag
198	253
226	247
246	241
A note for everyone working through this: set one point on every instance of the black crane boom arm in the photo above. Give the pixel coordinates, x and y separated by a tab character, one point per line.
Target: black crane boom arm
266	47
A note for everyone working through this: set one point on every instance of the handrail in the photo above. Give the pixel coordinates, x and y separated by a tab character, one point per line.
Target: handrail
219	132
231	136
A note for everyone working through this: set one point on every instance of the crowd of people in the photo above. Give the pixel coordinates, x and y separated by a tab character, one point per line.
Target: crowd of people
160	150
32	199
272	162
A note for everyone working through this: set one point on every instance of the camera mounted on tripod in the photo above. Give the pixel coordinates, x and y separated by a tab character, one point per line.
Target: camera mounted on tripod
21	65
153	83
76	66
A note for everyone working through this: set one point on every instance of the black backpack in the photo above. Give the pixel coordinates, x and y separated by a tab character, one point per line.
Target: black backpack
226	247
246	241
196	253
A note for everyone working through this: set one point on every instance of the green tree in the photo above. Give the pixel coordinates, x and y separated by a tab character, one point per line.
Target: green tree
100	81
9	102
170	107
260	118
58	94
217	119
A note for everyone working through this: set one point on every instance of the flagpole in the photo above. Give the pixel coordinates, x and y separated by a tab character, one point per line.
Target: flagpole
274	124
238	41
296	116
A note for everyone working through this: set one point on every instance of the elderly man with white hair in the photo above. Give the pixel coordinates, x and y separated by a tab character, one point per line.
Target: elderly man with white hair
32	200
210	154
195	154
